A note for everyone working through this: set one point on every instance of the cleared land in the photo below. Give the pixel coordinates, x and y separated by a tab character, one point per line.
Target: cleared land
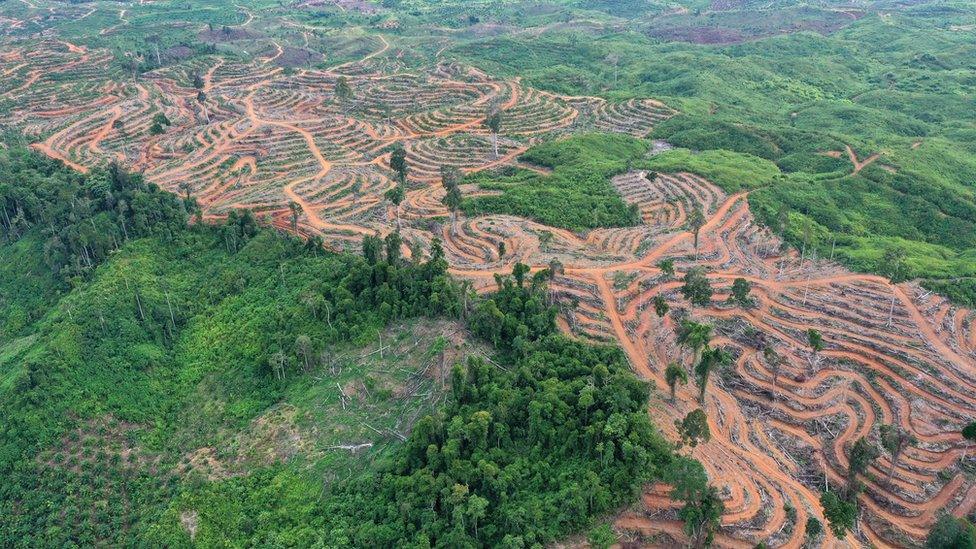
253	135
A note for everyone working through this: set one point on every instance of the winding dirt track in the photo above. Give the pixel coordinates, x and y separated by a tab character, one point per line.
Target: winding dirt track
260	139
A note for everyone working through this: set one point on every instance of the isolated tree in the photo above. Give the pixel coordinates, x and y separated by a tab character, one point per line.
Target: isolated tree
703	508
161	118
197	81
450	178
739	293
396	196
840	513
694	336
501	249
661	306
711	360
494	124
969	433
813	528
673	375
697	289
667	268
860	457
343	91
159	123
894	267
894	439
296	209
202	100
815	340
453	202
556	268
696	220
703	517
694	428
398	162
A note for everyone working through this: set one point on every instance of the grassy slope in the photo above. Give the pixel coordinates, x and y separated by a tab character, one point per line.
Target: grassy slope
731	171
577	195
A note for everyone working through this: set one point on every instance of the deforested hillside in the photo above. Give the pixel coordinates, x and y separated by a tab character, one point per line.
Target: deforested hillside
470	273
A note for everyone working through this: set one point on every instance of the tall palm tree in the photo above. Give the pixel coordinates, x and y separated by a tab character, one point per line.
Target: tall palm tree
295	208
396	196
494	124
694	336
673	375
712	359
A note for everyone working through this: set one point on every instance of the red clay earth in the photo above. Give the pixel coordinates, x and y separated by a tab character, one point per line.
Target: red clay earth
261	139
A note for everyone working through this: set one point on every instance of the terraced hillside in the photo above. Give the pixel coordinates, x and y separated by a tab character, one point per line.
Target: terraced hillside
252	136
309	149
